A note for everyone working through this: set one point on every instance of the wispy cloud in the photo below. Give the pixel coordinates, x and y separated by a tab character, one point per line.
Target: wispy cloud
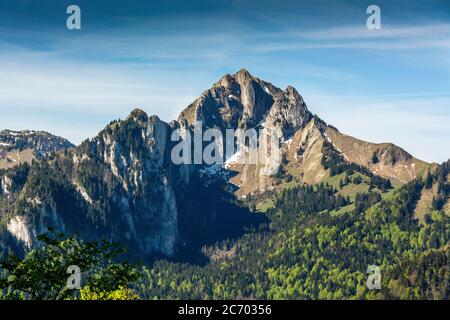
76	99
406	37
387	31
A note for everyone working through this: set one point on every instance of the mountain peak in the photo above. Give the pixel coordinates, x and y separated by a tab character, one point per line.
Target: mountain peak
243	73
23	146
228	82
233	81
237	100
138	115
292	92
137	112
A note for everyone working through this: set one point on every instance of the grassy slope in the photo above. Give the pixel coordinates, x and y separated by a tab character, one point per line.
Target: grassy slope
349	190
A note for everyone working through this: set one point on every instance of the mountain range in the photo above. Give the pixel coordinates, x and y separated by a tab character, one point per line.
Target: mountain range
122	186
23	146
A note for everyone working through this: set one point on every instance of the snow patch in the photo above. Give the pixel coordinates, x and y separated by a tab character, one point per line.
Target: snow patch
234	159
19	229
83	192
288	143
6	184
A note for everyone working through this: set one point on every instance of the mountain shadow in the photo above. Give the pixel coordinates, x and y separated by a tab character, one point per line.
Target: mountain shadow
209	213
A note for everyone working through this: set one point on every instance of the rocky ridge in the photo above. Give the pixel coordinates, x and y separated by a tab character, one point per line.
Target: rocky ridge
123	186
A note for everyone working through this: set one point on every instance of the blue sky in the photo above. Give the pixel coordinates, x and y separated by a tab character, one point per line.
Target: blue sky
388	85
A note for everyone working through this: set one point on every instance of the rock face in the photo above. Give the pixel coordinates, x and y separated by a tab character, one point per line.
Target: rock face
288	112
115	186
23	146
134	160
235	101
123	186
244	101
383	159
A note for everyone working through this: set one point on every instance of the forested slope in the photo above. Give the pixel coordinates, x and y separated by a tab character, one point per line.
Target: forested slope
314	249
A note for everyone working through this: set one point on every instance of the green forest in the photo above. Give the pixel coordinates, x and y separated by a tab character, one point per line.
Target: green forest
315	249
316	244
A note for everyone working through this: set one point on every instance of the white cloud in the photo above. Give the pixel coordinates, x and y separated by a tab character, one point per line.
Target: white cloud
390	37
77	99
387	31
58	84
